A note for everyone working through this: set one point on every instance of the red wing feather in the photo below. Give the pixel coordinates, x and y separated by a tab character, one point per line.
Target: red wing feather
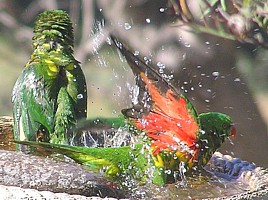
169	120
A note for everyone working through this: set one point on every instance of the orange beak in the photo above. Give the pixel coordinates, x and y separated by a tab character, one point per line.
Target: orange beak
233	132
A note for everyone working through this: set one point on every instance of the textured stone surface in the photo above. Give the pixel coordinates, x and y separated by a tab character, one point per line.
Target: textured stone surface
28	171
228	178
238	172
12	192
6	133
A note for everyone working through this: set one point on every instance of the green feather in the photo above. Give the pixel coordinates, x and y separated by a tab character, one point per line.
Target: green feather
117	163
50	95
215	129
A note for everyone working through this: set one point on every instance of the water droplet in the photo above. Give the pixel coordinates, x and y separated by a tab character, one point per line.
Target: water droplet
100	9
184	56
207	100
148	20
80	96
182	170
215	73
231	142
159	64
119	90
168	171
237	80
162	9
187	45
135	95
127	26
109	41
207	42
136	53
115	74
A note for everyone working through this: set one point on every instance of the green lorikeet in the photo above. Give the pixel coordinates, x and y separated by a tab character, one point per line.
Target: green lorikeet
177	138
50	95
178	134
128	165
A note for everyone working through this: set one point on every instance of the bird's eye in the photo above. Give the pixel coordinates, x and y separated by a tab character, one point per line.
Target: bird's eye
225	126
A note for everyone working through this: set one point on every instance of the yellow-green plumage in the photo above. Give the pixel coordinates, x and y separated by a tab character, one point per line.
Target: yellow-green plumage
125	163
50	95
137	163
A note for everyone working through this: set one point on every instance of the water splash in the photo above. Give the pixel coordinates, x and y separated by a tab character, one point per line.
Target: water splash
119	90
136	53
80	96
127	26
162	10
180	176
187	45
215	74
96	38
161	67
148	20
134	93
237	80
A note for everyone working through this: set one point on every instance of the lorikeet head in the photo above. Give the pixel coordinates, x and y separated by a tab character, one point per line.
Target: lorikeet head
215	122
170	120
53	27
215	128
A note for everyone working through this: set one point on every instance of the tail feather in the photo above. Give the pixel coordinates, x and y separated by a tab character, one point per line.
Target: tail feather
93	158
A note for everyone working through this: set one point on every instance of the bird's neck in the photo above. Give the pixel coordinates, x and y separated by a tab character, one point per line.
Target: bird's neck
54	63
55	52
207	144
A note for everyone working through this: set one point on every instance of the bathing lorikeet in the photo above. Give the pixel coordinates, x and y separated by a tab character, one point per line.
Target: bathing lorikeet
129	165
176	140
178	134
50	95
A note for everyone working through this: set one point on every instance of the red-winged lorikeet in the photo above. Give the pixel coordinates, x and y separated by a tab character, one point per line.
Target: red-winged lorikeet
170	120
177	138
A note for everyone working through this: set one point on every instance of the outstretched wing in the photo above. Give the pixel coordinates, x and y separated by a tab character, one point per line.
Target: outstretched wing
167	116
33	109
